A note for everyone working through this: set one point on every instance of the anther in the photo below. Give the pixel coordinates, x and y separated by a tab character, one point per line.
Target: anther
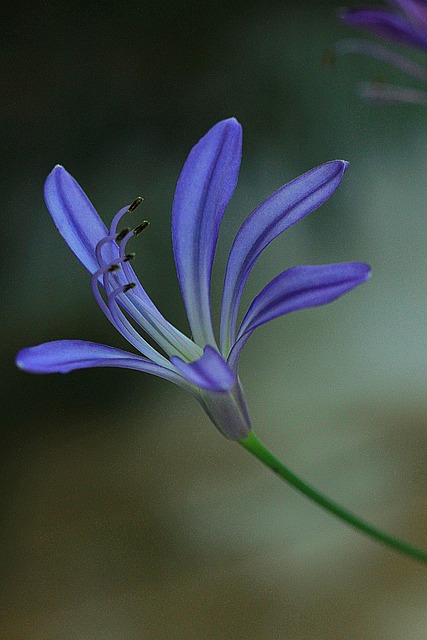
135	204
129	256
140	228
122	234
113	267
129	286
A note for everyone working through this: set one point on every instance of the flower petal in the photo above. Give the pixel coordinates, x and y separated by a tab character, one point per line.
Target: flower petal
385	25
74	215
82	229
377	93
228	412
416	10
204	188
209	372
298	288
384	53
62	356
282	209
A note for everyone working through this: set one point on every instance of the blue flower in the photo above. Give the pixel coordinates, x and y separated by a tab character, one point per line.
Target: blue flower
407	27
203	365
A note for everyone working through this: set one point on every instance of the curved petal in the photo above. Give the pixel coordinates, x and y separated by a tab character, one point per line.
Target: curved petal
416	10
386	25
209	372
74	216
63	356
82	229
204	188
281	210
298	288
377	93
384	53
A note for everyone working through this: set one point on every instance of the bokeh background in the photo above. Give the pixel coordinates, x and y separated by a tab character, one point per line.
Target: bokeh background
124	514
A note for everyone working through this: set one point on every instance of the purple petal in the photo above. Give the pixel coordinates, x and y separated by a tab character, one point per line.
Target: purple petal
209	372
74	216
204	188
416	10
386	25
282	209
298	288
62	356
82	228
377	93
384	53
228	412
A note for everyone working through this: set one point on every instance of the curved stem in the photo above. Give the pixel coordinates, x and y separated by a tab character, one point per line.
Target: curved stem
254	446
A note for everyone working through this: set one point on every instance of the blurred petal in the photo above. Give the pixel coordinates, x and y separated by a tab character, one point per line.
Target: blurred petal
281	210
74	216
63	356
377	92
204	188
386	25
209	372
298	288
381	52
416	10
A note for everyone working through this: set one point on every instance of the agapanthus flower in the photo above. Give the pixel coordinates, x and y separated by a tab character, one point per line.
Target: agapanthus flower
205	365
405	24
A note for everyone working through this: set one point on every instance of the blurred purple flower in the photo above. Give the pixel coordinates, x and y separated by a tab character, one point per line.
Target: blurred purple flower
406	25
201	365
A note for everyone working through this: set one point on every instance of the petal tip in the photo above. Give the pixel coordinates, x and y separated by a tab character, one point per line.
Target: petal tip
19	362
23	360
53	179
344	164
366	270
229	123
57	170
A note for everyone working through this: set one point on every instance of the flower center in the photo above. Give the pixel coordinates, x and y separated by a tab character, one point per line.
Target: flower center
117	280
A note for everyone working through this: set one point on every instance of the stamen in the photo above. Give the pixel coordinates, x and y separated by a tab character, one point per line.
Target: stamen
166	336
95	284
129	332
135	204
140	228
119	215
98	250
118	319
105	269
140	307
122	234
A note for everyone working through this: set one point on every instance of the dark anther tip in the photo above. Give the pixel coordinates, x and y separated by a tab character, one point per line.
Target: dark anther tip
122	234
135	204
129	286
144	224
113	267
129	256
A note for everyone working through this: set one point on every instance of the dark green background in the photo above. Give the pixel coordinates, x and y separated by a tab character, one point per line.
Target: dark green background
124	513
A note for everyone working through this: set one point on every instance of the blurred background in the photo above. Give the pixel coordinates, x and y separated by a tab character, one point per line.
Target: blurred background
124	514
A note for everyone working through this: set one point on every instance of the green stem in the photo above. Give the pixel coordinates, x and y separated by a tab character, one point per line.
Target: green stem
254	446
